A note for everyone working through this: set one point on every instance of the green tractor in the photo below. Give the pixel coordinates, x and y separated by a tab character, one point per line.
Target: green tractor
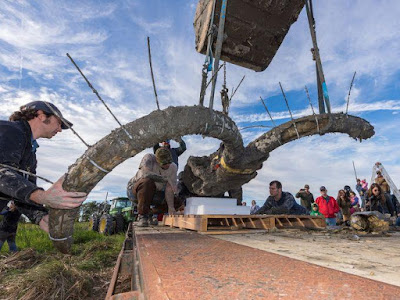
116	220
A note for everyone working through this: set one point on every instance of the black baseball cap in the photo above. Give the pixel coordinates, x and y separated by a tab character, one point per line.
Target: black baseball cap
322	188
49	108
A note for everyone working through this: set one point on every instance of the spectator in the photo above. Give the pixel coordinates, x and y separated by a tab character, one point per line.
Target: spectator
398	220
244	203
315	210
364	184
355	205
327	206
306	198
382	182
279	203
361	190
175	152
347	190
9	225
254	207
377	200
344	203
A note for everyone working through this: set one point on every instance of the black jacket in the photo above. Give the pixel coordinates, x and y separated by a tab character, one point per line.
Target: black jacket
16	150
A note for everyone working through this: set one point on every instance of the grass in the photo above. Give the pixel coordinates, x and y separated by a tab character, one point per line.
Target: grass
39	271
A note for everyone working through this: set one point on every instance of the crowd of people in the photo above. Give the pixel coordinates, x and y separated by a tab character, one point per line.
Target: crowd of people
337	210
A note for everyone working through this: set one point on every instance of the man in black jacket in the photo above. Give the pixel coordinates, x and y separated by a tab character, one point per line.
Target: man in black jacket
280	203
18	146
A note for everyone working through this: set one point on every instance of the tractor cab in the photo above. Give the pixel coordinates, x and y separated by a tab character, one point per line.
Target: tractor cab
116	219
120	205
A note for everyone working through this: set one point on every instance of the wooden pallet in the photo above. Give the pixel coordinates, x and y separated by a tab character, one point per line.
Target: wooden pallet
211	224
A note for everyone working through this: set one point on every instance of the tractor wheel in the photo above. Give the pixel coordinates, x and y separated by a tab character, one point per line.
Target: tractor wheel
106	225
119	223
94	223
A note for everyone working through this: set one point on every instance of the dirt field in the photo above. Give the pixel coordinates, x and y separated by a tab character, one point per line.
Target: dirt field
374	256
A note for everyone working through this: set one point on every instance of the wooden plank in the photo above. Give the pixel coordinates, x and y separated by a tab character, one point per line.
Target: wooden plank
252	222
302	224
234	222
290	223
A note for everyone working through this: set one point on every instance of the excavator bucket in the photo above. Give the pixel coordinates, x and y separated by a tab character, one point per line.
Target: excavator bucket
254	29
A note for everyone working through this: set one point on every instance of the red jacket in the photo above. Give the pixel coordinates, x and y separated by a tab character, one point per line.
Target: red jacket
328	209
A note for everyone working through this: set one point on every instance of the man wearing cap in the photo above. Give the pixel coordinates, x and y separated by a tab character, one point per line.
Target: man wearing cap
175	152
306	198
155	179
280	203
327	206
18	145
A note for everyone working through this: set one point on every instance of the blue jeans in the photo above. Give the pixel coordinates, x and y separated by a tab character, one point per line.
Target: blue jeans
398	221
330	221
11	243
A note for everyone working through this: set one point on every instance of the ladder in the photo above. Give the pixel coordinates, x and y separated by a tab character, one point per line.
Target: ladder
379	167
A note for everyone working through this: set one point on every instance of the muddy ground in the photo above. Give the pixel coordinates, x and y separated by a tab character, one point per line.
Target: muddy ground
372	256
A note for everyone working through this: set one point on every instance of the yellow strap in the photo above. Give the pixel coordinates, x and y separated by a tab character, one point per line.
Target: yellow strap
235	171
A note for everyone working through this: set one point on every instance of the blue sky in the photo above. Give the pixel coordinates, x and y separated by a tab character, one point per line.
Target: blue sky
108	41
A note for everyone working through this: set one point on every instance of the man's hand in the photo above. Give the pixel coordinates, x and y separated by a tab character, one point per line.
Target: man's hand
57	197
44	223
172	211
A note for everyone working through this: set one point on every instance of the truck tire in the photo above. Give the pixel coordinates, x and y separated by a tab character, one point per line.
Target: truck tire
94	223
119	223
106	225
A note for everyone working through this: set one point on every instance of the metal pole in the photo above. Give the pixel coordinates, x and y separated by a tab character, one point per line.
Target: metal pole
321	104
66	123
26	172
348	96
355	172
98	96
311	23
272	120
152	75
220	39
234	92
312	108
208	54
291	116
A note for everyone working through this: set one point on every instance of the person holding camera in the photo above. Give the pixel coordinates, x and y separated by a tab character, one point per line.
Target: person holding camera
306	197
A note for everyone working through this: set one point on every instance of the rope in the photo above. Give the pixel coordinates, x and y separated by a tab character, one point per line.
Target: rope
59	240
96	165
235	171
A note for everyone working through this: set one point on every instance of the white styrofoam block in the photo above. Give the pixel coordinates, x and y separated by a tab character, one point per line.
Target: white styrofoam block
216	210
210	201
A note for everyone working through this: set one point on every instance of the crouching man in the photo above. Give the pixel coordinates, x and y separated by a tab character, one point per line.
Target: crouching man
155	181
280	203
